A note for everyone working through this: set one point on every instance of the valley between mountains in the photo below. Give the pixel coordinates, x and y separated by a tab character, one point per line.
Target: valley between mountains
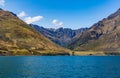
19	38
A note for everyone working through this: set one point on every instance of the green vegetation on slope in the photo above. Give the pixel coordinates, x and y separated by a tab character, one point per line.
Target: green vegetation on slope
18	38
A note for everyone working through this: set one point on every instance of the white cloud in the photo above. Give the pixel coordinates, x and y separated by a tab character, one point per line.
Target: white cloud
57	23
2	2
21	14
30	20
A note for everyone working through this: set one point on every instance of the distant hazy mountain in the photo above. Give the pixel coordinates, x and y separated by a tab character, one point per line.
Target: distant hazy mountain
18	38
61	36
102	36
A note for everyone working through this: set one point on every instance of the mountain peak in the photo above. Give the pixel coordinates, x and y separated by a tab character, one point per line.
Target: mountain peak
114	14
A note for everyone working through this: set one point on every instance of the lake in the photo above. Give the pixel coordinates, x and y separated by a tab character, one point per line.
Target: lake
60	67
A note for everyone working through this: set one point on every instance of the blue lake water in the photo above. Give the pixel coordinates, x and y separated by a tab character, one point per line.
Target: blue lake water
60	67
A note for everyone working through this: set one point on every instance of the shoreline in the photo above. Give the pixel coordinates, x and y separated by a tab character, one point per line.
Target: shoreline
95	53
71	53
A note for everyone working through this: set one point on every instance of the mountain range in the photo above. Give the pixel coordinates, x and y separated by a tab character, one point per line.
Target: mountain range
60	36
102	36
18	38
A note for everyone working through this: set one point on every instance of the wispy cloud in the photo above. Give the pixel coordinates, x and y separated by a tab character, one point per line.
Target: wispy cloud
21	14
30	20
57	23
2	2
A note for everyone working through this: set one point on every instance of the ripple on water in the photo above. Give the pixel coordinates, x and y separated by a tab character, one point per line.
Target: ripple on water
59	67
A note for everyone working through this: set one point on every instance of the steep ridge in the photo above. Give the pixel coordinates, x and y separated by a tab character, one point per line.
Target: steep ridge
18	38
102	36
60	36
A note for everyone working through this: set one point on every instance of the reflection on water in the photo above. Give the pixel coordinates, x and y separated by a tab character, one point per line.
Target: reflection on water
60	67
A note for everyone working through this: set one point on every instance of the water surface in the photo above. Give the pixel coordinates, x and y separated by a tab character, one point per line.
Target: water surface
60	67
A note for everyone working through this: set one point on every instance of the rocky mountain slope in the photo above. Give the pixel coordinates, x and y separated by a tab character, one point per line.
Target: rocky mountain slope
102	36
18	38
60	36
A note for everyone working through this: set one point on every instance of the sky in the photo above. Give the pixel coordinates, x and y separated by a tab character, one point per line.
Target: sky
61	13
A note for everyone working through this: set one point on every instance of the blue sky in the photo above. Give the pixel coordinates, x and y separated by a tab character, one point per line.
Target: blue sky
62	13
